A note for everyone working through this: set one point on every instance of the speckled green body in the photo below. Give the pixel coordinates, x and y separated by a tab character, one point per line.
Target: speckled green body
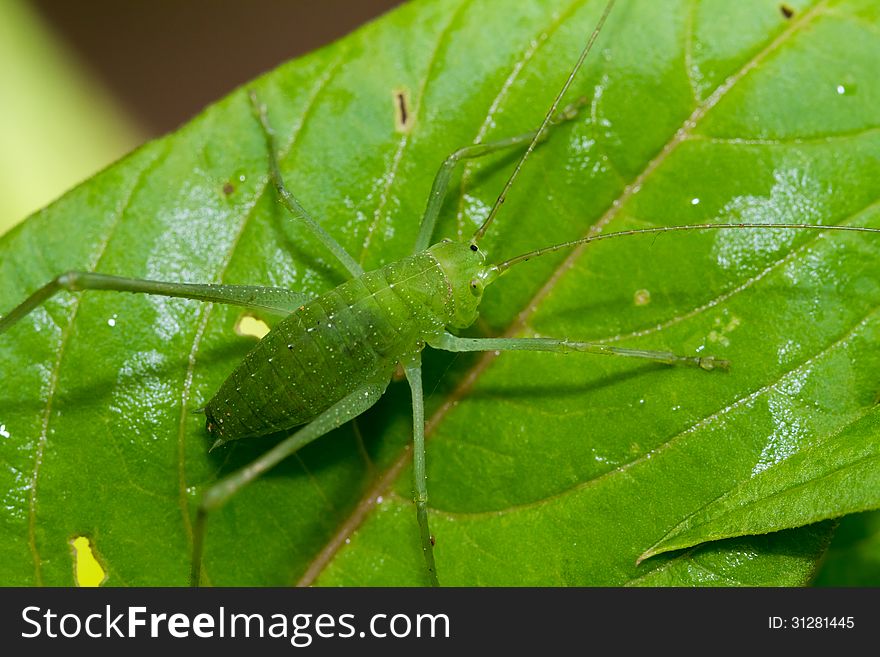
353	334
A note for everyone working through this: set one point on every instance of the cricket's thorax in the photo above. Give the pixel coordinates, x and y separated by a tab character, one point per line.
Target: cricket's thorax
332	345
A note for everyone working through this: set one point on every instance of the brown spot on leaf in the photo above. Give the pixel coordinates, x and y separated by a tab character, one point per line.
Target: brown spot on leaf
402	114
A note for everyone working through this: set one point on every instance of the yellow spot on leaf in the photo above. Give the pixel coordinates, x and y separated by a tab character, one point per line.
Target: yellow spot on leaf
87	569
250	326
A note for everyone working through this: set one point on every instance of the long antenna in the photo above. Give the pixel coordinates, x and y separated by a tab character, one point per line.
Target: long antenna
539	134
507	264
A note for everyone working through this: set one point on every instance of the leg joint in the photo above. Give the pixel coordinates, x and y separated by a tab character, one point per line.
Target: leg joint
69	281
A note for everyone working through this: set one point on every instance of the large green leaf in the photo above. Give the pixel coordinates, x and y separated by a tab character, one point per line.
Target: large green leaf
543	469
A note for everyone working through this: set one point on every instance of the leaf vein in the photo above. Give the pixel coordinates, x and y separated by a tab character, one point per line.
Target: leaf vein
390	176
55	374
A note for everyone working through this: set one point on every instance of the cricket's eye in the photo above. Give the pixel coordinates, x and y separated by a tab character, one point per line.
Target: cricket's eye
476	286
474	248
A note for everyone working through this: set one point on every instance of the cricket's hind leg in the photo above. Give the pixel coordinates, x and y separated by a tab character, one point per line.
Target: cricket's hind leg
440	187
413	371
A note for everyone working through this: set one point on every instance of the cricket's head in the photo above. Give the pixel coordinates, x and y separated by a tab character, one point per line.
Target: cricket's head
464	264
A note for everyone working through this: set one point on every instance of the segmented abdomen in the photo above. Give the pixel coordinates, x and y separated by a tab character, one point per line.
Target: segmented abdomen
331	346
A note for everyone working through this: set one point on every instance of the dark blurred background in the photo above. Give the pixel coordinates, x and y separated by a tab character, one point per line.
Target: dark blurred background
84	82
166	59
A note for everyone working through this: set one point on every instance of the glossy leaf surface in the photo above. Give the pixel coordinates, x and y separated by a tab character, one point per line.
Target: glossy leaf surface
543	469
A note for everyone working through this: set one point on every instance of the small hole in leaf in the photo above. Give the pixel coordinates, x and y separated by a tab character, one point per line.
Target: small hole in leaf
87	570
250	326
